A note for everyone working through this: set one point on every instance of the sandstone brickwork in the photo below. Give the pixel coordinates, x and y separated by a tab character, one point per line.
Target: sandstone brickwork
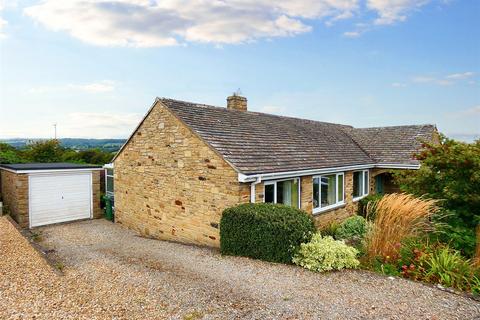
96	194
171	185
15	196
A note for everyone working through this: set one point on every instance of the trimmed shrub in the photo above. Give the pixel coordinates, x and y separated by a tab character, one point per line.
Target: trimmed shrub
266	231
352	229
325	254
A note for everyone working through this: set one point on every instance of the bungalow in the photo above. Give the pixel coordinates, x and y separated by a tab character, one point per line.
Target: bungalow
186	162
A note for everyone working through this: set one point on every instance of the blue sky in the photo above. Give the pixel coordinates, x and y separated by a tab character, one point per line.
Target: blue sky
95	67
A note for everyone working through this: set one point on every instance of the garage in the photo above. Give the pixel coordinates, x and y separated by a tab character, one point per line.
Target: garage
38	194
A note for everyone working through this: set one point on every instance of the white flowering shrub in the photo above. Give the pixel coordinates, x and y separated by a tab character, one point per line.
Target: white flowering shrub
325	254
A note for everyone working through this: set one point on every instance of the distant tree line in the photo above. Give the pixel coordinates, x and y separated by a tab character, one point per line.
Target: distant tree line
52	151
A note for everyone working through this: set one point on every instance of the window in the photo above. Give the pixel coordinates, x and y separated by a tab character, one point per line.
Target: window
360	184
328	191
285	192
109	182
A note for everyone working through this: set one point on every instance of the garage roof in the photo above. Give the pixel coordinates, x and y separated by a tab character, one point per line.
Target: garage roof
48	166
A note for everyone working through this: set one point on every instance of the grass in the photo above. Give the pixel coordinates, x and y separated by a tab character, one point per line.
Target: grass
397	217
60	266
36	237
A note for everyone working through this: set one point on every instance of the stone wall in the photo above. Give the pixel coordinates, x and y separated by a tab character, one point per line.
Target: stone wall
171	185
96	194
15	196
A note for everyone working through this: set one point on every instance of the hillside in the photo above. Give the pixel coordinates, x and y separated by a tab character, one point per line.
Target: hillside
108	145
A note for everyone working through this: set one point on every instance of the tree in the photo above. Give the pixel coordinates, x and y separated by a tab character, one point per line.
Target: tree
450	171
9	154
44	151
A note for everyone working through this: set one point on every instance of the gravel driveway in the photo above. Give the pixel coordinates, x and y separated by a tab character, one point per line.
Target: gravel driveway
110	272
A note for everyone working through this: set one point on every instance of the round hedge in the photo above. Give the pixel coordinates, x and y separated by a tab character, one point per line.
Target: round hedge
266	231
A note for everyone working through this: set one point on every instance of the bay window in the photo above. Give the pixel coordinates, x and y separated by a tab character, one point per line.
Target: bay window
328	191
360	184
285	192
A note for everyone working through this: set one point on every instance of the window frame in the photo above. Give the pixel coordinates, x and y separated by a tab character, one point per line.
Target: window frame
364	192
274	183
337	203
109	193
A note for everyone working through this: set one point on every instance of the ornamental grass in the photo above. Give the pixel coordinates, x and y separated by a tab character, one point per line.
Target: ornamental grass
397	217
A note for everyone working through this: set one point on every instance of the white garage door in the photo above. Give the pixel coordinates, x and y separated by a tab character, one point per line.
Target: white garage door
59	197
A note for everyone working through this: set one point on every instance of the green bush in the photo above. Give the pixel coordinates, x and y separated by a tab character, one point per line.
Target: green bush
325	254
450	171
448	268
330	229
363	206
352	229
270	232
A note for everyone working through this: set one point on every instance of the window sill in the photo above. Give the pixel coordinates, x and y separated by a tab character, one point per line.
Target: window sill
359	198
319	211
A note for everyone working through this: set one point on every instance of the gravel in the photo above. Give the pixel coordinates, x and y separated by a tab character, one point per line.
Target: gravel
111	273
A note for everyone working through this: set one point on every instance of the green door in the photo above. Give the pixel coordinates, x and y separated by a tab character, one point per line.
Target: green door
379	184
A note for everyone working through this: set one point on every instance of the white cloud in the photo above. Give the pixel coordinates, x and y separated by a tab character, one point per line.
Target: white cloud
446	80
153	23
460	76
352	34
102	86
98	125
399	85
94	87
392	11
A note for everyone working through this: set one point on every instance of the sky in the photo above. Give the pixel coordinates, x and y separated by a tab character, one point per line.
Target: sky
95	67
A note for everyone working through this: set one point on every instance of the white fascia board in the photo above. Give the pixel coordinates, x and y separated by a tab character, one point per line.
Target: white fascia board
288	174
292	174
108	166
55	170
397	166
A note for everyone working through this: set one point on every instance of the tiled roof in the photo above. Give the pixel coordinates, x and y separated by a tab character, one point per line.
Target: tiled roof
393	144
255	142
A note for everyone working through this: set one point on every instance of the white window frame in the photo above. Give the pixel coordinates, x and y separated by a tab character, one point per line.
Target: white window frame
109	193
337	203
274	183
364	192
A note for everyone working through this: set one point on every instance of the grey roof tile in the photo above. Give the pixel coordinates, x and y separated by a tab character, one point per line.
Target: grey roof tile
257	143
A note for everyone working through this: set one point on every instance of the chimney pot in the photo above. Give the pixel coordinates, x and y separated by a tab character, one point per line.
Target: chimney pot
237	102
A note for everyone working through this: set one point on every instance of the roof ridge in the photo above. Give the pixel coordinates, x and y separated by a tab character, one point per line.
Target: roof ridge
398	126
253	112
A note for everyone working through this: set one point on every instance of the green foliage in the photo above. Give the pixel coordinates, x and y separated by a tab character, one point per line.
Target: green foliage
450	171
448	268
93	156
457	235
352	229
421	260
330	229
9	154
52	151
270	232
325	254
44	151
363	206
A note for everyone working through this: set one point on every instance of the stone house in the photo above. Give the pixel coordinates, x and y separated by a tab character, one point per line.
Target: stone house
186	162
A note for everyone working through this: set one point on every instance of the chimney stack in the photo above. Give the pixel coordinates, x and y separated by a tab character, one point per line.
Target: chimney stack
237	102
